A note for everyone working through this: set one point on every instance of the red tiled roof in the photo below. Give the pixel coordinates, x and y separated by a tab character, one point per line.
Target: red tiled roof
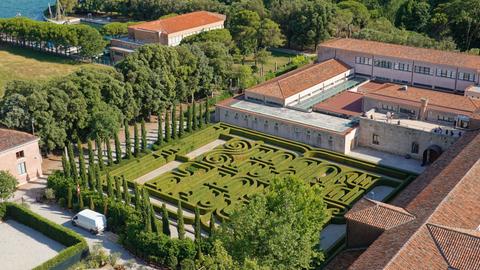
300	79
381	215
438	100
181	22
460	248
345	103
455	59
445	194
10	138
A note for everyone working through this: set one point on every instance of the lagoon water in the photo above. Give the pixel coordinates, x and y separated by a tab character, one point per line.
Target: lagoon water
28	8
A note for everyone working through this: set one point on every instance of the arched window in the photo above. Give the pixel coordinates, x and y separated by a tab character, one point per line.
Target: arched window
415	147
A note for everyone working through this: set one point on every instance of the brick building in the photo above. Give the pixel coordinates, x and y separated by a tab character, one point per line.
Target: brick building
20	155
169	31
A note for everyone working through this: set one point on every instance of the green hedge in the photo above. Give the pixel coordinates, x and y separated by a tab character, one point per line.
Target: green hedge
76	246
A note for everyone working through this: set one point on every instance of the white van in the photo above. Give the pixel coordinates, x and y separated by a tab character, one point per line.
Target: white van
92	221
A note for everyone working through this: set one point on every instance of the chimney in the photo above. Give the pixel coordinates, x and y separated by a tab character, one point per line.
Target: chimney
423	109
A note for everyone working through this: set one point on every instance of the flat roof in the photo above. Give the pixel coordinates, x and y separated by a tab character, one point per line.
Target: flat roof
300	79
181	22
441	101
313	119
345	103
448	58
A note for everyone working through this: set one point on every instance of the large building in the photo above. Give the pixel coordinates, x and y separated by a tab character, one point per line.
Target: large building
20	155
421	67
169	31
337	105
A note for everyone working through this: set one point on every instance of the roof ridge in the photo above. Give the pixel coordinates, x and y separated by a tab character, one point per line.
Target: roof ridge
468	232
397	209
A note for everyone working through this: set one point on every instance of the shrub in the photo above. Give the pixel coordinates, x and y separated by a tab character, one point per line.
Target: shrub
8	184
3	210
49	194
62	202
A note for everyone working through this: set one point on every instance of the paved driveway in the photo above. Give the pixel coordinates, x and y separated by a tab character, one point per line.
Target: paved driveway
22	247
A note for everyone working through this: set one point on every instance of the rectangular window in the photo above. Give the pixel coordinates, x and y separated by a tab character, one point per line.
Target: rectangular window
21	168
407	111
20	154
445	118
466	76
402	67
363	60
383	64
388	107
445	73
375	139
423	70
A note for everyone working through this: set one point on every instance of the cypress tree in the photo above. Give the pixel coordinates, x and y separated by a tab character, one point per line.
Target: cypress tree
109	152
180	222
105	207
98	181
207	112
155	226
66	166
189	118
167	126
91	155
174	121
69	197
212	226
128	142
92	205
80	201
137	196
181	123
200	115
81	161
160	129
136	140
146	199
165	222
194	116
118	148
126	193
91	178
109	186
101	164
198	228
144	136
118	186
73	164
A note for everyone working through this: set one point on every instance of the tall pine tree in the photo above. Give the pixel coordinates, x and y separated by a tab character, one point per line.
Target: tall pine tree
109	152
207	111
155	225
212	226
167	126
165	221
144	136
69	197
128	142
200	115
118	188
91	154
198	226
137	196
126	193
181	124
92	205
118	149
73	163
194	116
174	121
66	166
98	181
160	129
136	140
101	164
91	178
180	222
82	167
110	192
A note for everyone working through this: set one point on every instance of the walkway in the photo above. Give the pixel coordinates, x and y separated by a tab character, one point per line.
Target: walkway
390	160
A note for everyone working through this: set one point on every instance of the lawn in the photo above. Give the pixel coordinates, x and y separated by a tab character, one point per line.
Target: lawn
20	64
221	179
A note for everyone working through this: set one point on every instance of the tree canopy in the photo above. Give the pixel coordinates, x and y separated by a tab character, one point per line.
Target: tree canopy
8	185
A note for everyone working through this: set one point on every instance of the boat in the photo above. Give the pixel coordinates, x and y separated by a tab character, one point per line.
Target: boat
59	16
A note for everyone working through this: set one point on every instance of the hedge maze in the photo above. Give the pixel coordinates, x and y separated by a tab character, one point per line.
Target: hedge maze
230	174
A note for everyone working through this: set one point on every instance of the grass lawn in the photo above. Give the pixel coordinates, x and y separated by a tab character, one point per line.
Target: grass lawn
20	63
281	59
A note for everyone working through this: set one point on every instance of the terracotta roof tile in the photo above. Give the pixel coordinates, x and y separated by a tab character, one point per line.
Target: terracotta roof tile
181	22
300	79
381	215
460	248
436	99
10	138
345	103
455	59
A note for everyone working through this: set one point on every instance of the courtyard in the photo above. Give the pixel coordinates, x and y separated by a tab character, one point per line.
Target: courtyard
222	167
22	247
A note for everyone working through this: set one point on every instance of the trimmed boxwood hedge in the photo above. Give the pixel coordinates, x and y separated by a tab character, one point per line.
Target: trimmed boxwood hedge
76	246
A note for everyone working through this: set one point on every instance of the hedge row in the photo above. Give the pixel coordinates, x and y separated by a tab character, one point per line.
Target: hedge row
76	245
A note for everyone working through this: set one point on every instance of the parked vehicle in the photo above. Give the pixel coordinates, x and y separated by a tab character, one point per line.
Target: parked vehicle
92	221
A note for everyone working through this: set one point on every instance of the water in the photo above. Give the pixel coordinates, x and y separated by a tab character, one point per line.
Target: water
28	8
